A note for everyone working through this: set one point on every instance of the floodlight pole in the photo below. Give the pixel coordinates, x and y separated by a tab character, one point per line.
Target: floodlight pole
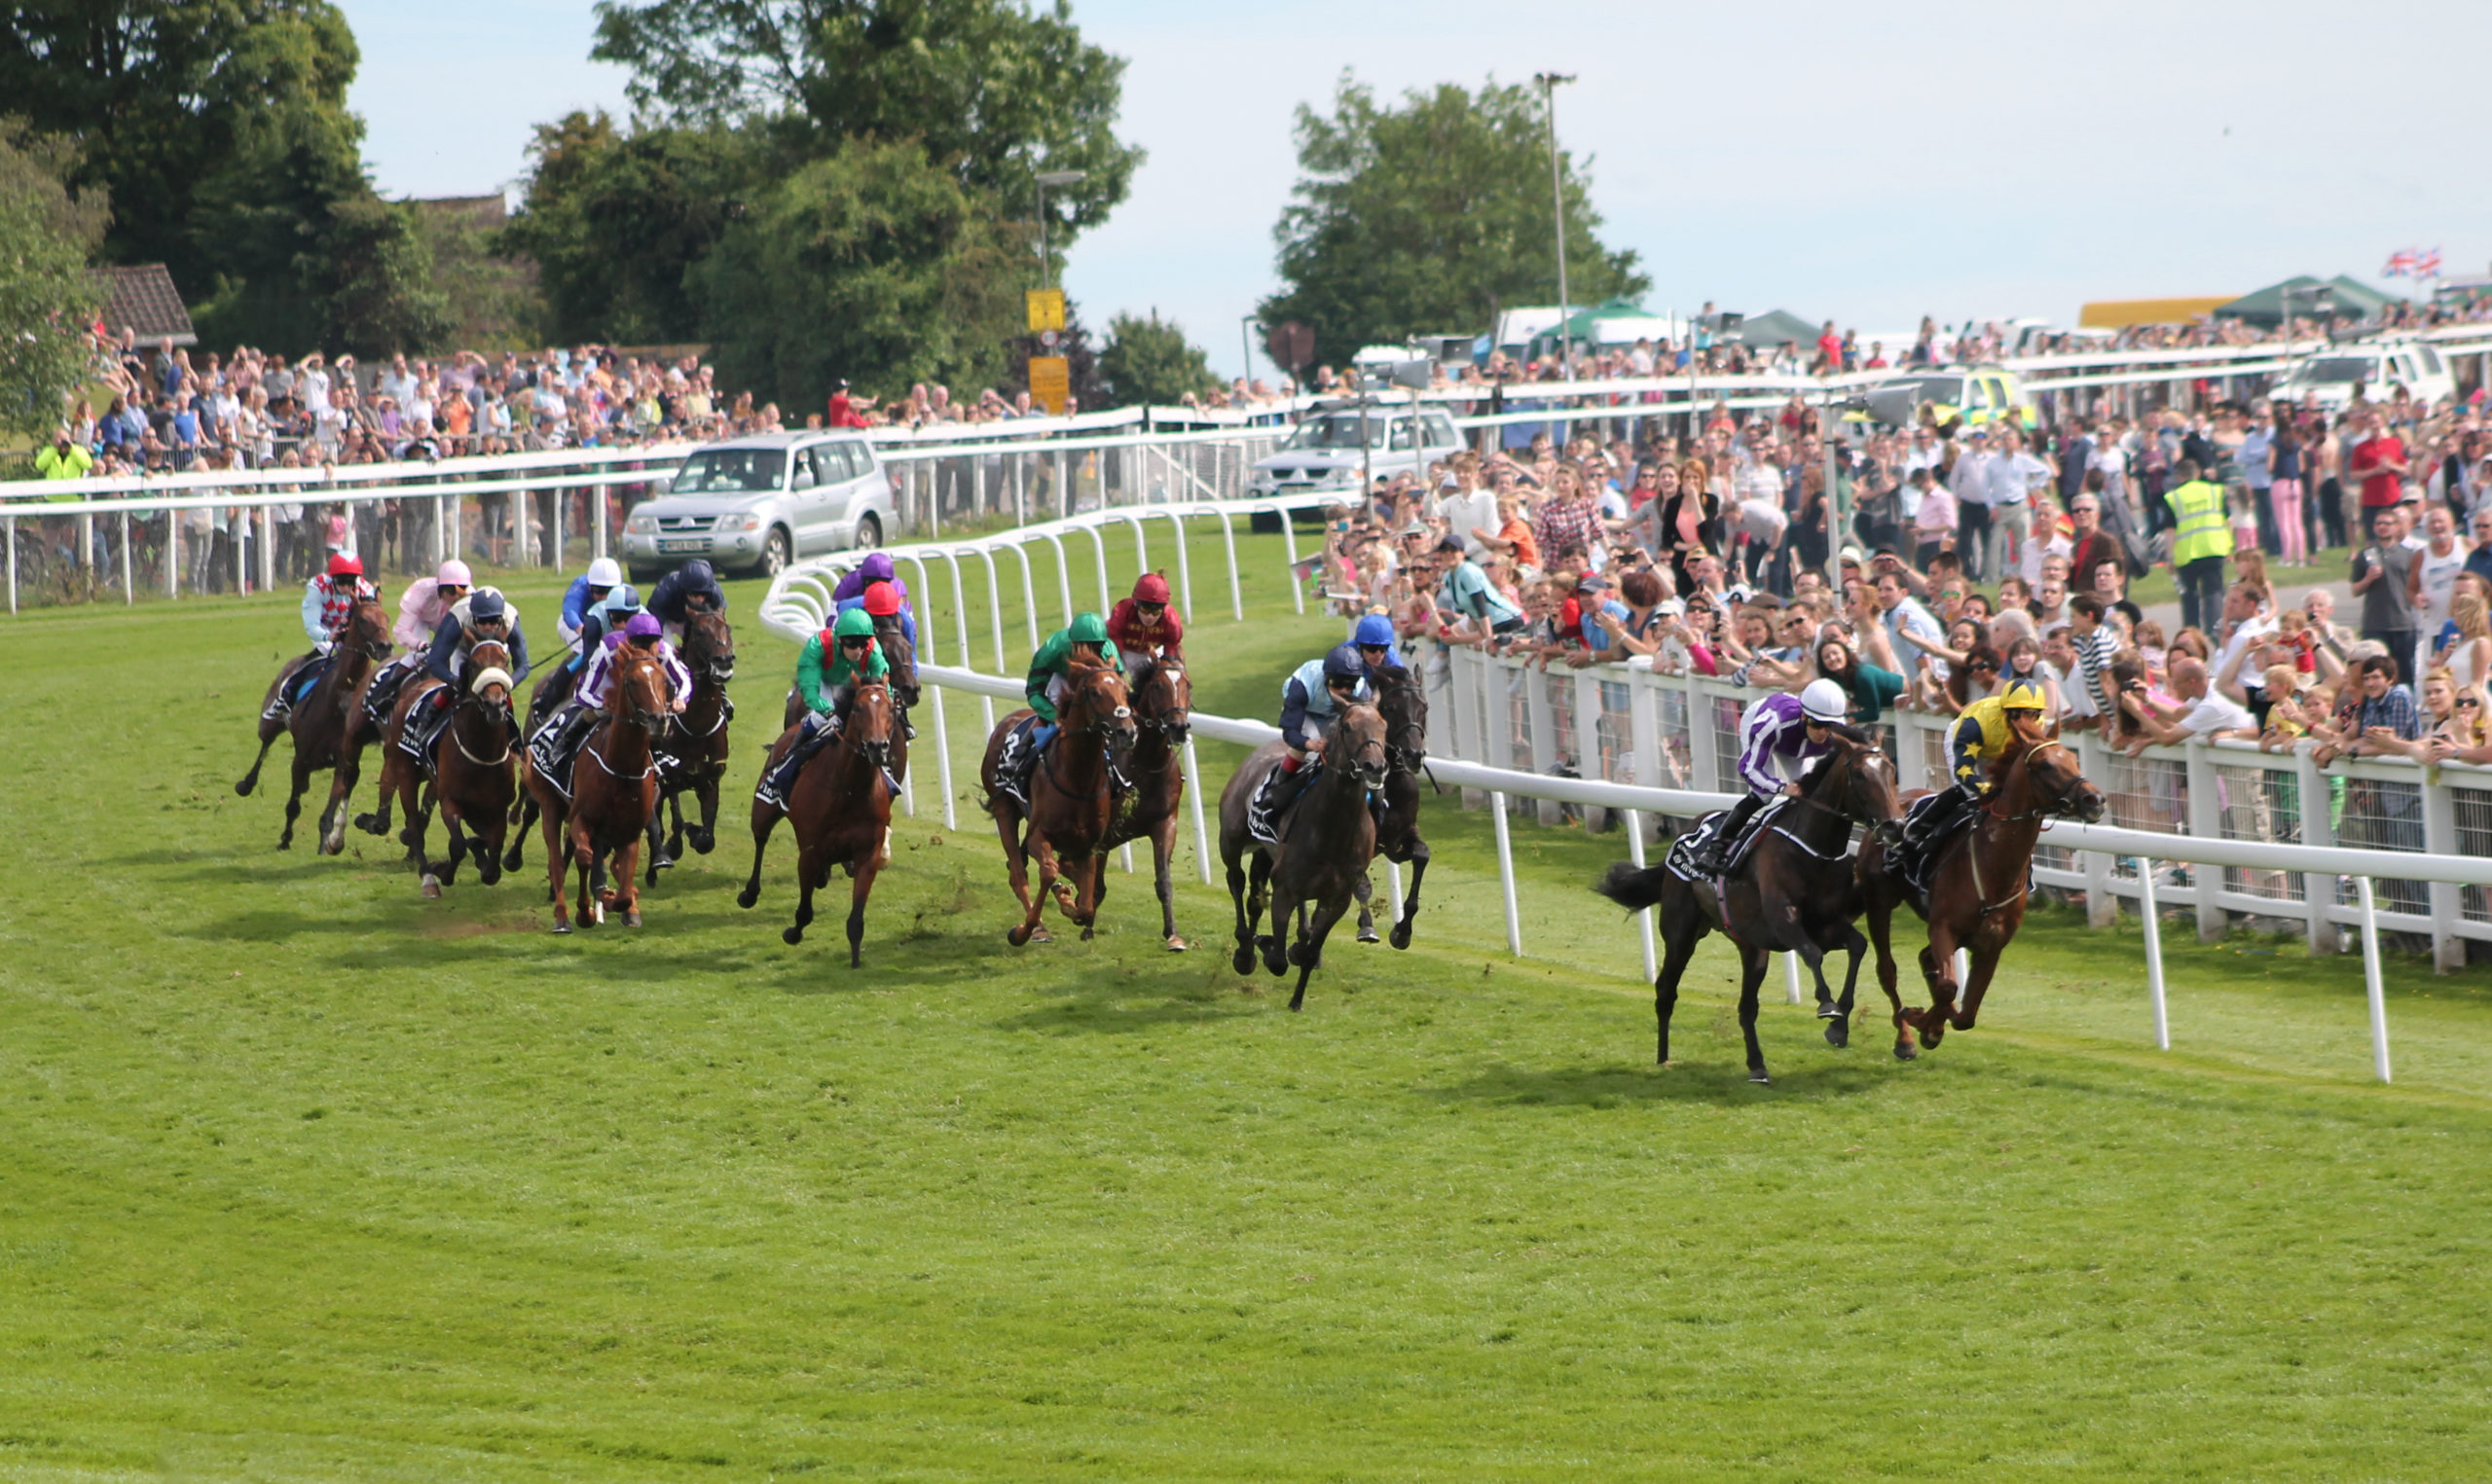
1548	81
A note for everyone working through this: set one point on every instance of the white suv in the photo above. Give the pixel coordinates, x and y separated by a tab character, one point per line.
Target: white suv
760	502
2330	375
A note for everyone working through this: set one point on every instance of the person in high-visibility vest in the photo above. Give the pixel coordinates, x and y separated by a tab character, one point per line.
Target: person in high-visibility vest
2201	539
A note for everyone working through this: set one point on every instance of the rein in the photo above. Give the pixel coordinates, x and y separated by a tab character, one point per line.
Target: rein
461	743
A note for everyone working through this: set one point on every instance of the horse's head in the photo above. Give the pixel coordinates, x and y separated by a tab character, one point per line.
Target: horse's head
1356	742
639	690
1098	704
489	680
709	646
1857	781
1166	702
367	630
1403	705
868	728
2059	789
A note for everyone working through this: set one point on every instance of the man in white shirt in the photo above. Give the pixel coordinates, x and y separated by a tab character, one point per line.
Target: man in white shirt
2244	629
1909	625
2208	714
1969	483
1468	515
2009	483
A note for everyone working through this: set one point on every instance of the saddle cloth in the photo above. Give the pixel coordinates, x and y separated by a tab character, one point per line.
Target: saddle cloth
1914	865
1683	851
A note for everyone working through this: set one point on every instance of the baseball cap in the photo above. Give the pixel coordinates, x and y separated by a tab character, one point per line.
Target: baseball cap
1593	582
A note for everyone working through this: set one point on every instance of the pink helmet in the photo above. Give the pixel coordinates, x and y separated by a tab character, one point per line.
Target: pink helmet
454	574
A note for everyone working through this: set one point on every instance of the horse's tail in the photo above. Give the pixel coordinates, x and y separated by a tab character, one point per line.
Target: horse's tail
1632	886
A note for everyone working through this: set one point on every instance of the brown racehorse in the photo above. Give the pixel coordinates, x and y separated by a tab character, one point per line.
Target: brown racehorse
1071	801
472	781
1163	707
693	750
1793	891
320	721
1328	840
839	808
1402	703
614	789
1977	887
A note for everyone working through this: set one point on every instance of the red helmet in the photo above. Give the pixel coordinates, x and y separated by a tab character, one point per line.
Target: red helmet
882	600
1151	589
343	565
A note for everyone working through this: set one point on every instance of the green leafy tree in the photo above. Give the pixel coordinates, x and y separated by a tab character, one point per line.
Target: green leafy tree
490	297
1149	363
994	90
873	264
47	298
1426	217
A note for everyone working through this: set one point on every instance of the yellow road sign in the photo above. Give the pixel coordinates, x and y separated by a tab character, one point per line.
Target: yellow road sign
1046	309
1050	381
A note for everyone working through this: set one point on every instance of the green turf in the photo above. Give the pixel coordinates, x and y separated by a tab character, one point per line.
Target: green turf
304	1178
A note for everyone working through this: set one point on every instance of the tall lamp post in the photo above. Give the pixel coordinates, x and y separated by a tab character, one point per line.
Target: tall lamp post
1046	178
1548	81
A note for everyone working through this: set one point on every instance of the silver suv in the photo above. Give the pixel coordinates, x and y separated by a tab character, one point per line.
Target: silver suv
1334	442
757	503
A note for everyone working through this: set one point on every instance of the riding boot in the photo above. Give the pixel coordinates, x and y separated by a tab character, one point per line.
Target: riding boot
817	731
1281	788
1715	857
424	724
907	728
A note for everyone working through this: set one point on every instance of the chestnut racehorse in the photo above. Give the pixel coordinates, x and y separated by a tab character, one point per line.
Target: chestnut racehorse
1793	891
473	781
614	790
1328	840
1977	887
693	750
1402	702
1163	709
1071	801
839	810
320	722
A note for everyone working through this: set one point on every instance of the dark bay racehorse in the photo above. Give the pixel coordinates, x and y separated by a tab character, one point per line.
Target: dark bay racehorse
1328	840
614	790
1793	891
320	721
693	750
473	780
1072	802
839	810
1163	704
1977	887
1402	702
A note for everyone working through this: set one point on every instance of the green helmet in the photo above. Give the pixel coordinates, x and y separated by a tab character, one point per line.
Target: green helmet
855	624
1088	628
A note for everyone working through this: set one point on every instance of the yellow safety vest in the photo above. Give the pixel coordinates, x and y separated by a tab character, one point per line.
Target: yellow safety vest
2198	508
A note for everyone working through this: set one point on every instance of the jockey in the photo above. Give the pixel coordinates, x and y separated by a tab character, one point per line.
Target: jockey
1780	736
895	635
876	568
1314	695
1979	737
422	608
1085	639
562	736
1144	626
692	588
602	621
484	614
1373	638
584	595
328	602
851	655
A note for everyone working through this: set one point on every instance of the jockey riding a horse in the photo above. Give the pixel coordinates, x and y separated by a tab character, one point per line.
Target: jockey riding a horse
1084	641
328	605
1979	737
1779	737
896	637
426	601
826	689
1310	698
1144	626
585	596
484	614
558	742
692	588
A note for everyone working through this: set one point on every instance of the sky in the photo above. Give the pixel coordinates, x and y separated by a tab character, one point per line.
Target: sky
1869	163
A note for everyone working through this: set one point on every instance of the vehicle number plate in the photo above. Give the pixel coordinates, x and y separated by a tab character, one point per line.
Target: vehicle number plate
687	544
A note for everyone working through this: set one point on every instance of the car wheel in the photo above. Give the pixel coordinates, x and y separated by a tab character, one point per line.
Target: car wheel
774	553
869	532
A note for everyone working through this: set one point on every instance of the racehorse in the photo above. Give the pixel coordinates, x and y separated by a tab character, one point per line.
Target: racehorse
321	722
1793	891
839	808
1163	716
1328	840
614	790
1978	881
472	778
1071	801
693	750
1402	702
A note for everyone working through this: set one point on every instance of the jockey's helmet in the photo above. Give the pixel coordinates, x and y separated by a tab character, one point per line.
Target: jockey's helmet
486	608
855	624
605	573
642	627
343	565
1342	665
1373	629
1823	701
623	601
2021	696
454	574
1088	628
882	600
1150	588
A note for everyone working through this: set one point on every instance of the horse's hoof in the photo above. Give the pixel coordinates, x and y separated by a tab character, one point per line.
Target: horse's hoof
432	888
1368	935
1243	961
632	919
1039	934
1086	933
242	789
285	844
1175	944
747	896
562	924
1400	936
365	823
1759	1077
1017	935
1839	1032
1826	1010
1904	1051
703	840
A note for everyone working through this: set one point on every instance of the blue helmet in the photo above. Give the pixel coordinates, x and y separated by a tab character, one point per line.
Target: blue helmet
623	601
1375	629
1343	663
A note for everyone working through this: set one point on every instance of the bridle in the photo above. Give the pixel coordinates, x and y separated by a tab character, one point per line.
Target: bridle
1370	773
1412	755
1856	759
1174	724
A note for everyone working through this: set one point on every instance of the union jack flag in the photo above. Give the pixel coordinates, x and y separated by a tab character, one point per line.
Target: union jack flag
2400	264
2426	263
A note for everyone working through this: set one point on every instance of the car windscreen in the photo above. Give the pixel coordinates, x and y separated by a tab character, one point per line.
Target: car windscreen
1334	432
2338	368
1946	392
730	471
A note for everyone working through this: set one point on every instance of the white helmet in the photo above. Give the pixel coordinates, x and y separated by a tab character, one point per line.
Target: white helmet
603	573
1824	700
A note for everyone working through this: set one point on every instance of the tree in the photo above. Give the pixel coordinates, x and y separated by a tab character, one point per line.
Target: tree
490	297
1149	363
47	298
873	264
1427	217
994	90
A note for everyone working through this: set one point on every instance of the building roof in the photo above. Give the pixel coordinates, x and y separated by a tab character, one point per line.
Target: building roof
142	297
2122	313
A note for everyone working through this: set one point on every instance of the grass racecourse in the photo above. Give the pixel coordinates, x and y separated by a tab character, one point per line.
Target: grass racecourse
303	1177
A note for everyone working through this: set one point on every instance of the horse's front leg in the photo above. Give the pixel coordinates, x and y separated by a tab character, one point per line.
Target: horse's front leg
867	865
810	869
457	843
1939	967
1033	903
1163	849
1401	934
1364	889
1839	1023
1284	908
704	838
1752	978
302	774
1243	959
627	885
1310	950
1985	957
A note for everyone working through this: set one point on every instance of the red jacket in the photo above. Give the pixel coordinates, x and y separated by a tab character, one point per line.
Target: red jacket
1126	628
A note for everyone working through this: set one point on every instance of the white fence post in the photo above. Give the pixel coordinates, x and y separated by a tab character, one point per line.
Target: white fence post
2101	908
2205	821
1194	793
1644	915
2439	838
13	564
1703	756
2376	988
2317	827
1505	875
1542	719
2154	952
